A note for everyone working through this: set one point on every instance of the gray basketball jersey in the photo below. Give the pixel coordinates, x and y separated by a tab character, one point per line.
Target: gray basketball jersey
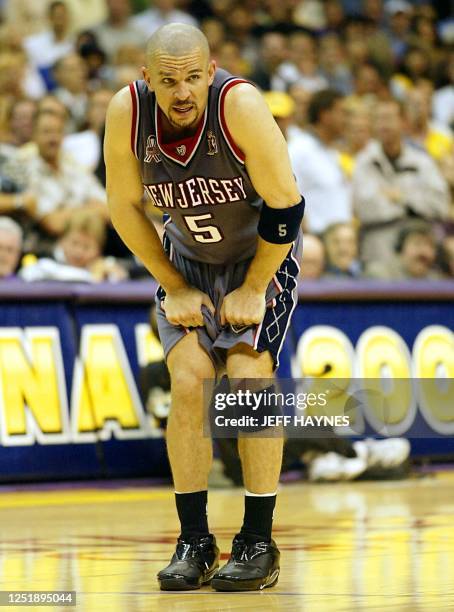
201	182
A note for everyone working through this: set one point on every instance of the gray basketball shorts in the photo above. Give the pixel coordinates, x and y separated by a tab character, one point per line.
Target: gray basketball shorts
219	280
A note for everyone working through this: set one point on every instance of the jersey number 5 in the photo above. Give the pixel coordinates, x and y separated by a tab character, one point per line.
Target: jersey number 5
203	233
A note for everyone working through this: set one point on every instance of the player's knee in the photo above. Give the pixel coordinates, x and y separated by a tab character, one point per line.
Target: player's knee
188	380
248	363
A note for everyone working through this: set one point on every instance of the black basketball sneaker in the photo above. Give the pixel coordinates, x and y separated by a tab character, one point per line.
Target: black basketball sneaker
251	567
194	563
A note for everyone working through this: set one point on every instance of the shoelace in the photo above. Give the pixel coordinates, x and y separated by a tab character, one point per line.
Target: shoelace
191	549
241	550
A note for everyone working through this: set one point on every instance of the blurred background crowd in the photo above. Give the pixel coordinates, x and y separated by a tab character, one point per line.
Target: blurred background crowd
362	90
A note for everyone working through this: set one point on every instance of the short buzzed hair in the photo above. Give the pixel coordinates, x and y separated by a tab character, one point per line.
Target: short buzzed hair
177	39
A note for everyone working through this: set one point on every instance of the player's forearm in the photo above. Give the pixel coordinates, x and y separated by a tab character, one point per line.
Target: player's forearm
265	263
141	238
277	229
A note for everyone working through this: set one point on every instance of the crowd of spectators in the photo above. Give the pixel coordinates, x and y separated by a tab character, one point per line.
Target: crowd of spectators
363	91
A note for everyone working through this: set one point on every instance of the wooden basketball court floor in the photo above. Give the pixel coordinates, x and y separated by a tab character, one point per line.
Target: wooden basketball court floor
351	546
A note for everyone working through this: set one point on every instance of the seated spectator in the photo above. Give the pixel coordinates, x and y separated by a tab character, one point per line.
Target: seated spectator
94	58
415	255
341	246
333	63
434	138
51	104
356	136
47	47
272	52
301	97
26	79
334	14
368	84
85	147
70	75
316	163
313	261
415	67
240	22
78	255
392	183
15	201
10	247
160	13
443	100
302	67
21	122
399	14
59	184
12	66
118	30
231	59
375	36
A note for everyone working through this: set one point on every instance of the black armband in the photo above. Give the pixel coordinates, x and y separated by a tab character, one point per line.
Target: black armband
280	225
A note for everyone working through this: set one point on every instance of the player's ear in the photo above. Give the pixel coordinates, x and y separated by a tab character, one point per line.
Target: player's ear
147	78
211	71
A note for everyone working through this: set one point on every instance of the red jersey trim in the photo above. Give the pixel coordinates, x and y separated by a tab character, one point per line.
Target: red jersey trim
191	143
237	152
135	117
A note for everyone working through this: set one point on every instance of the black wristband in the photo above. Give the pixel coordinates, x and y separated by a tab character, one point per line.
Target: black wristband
280	225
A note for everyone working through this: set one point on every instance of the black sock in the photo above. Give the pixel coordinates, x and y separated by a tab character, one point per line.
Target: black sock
192	512
258	518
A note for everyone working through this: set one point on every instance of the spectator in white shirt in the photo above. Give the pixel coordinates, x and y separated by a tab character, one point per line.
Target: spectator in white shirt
118	29
316	164
85	147
160	13
70	73
392	183
45	48
60	185
302	67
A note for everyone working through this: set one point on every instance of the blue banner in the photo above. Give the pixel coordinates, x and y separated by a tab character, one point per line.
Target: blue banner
70	356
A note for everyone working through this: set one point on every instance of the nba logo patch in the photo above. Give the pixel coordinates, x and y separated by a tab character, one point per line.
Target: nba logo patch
212	144
151	151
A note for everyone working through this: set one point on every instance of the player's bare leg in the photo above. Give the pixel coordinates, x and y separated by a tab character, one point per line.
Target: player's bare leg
254	562
261	457
190	454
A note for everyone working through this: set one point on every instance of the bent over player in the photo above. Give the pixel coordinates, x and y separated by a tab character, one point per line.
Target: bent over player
206	149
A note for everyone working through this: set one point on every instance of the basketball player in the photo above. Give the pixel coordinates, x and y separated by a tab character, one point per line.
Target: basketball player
206	149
